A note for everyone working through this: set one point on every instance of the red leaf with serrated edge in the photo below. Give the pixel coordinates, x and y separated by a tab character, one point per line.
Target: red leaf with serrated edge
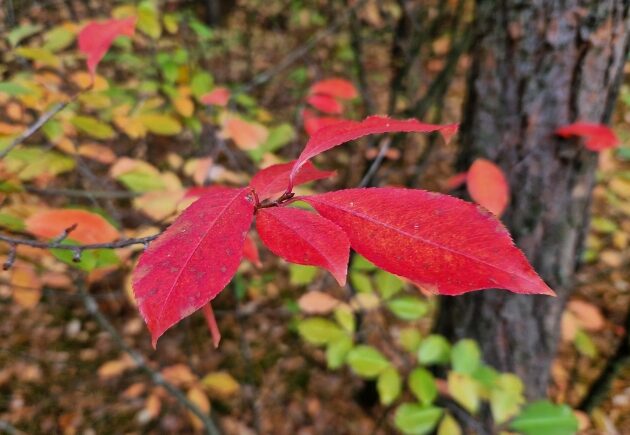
96	38
337	134
90	227
437	241
335	87
275	178
193	260
303	237
217	97
198	191
325	103
598	137
250	251
487	186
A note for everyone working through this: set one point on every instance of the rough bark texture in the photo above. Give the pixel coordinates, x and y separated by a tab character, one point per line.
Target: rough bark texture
537	65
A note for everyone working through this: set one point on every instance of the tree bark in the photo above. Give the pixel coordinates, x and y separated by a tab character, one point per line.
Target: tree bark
537	65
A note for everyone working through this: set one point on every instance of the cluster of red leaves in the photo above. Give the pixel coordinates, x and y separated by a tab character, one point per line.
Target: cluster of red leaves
327	97
438	242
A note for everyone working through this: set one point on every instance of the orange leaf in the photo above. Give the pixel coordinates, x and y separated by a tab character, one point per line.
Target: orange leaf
217	97
598	137
246	135
487	186
91	227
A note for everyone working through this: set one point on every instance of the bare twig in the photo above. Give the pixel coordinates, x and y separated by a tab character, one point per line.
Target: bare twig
301	51
357	49
376	163
46	116
92	307
82	193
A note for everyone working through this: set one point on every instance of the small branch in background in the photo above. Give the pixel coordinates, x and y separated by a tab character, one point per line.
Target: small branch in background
14	242
82	193
356	42
600	388
301	51
6	427
43	119
366	181
92	307
462	416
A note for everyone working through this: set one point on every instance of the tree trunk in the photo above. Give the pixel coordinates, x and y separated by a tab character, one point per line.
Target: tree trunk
537	65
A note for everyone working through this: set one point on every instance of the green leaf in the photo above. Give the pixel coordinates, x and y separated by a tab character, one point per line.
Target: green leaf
58	38
506	397
301	275
11	222
408	307
415	419
584	344
139	181
449	426
148	20
464	390
201	83
93	127
157	123
422	385
366	361
40	55
486	376
31	162
22	32
465	356
278	137
361	282
546	418
90	260
389	385
337	351
317	330
13	89
360	263
345	317
388	284
410	339
434	349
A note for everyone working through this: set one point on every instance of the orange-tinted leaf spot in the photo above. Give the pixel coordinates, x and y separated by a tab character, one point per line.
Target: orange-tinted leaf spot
90	227
487	186
217	97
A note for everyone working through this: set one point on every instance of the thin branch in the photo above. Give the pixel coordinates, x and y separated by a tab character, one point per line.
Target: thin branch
302	50
356	42
92	307
123	243
82	193
376	163
46	116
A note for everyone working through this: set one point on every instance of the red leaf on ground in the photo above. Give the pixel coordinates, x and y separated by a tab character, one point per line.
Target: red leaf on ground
335	87
90	227
598	137
250	251
304	237
325	103
487	186
339	133
96	38
437	241
217	97
193	260
275	178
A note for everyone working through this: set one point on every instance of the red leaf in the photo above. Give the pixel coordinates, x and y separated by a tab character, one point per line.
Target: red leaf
217	97
437	241
335	87
325	103
96	38
456	180
275	178
312	122
199	191
90	227
337	134
250	251
303	237
193	260
598	137
487	186
212	324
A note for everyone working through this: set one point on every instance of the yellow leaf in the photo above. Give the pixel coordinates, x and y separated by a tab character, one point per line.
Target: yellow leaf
449	426
316	302
93	127
148	20
160	124
133	127
464	390
40	56
159	205
220	383
184	106
179	374
97	152
25	285
115	368
199	398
